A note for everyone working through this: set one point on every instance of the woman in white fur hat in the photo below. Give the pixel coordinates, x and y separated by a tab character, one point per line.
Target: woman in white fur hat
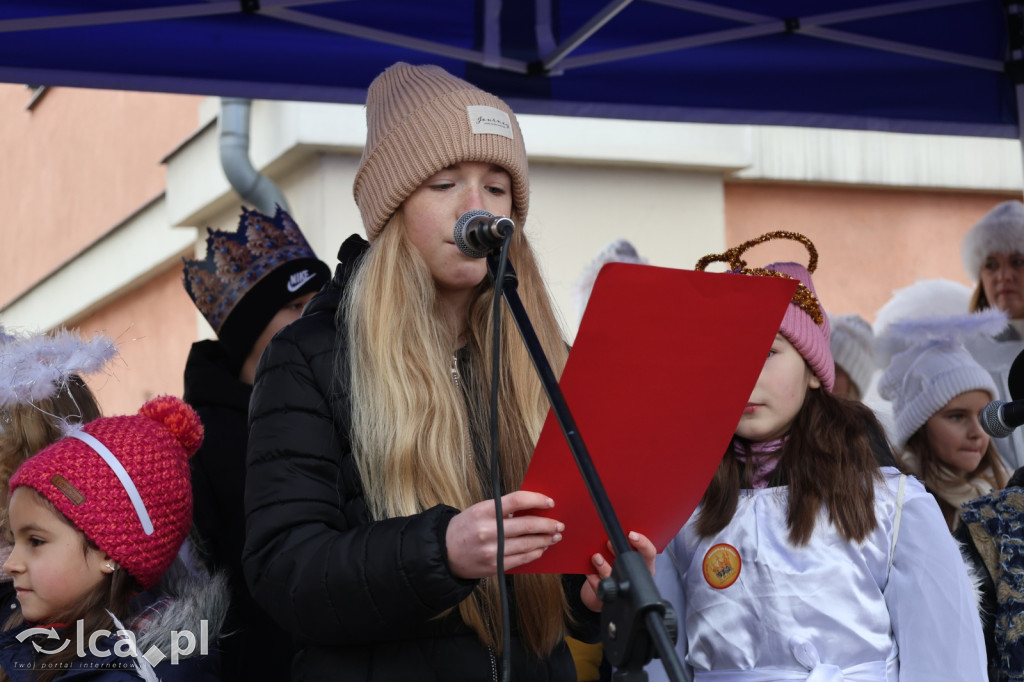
993	255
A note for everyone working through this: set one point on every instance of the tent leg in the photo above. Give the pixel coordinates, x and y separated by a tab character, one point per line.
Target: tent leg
1020	122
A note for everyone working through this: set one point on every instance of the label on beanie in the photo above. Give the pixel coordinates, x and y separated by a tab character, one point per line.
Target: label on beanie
485	120
71	492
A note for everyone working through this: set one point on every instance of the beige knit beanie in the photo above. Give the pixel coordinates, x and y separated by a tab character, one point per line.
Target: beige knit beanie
420	120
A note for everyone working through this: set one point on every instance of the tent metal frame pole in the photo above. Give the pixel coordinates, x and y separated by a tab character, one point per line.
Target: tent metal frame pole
1019	88
583	33
492	34
760	25
390	38
713	38
79	19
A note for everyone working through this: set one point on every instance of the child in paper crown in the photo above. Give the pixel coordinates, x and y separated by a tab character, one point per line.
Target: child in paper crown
97	518
254	281
938	392
805	559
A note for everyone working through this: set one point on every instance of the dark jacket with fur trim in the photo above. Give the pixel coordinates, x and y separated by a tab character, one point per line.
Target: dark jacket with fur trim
363	598
991	536
181	602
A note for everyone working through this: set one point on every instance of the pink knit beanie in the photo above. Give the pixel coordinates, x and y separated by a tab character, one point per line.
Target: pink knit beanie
808	337
422	119
124	482
805	323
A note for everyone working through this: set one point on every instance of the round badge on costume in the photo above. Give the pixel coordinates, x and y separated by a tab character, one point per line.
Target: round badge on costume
722	566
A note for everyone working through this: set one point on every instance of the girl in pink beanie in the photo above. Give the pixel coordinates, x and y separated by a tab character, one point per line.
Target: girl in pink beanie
97	518
806	559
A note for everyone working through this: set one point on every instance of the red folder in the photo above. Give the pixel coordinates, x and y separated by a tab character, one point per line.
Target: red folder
662	366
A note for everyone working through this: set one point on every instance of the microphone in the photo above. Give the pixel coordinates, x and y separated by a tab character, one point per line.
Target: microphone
479	232
999	418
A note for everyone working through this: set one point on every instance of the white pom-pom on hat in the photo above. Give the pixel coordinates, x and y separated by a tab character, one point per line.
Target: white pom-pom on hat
618	251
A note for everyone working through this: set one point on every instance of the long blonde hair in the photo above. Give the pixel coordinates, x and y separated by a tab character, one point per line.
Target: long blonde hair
26	428
413	433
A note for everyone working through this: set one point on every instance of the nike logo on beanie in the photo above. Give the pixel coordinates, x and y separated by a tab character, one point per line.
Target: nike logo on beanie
296	281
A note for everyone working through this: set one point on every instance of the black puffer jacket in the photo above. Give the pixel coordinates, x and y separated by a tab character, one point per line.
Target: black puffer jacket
361	597
221	399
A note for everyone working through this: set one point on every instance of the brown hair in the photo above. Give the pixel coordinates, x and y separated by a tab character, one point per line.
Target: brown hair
27	428
112	595
826	460
990	469
979	301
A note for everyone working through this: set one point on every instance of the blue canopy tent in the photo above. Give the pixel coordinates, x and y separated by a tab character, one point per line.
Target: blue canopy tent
928	66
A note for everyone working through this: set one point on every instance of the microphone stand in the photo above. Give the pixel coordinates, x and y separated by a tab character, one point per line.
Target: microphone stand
635	622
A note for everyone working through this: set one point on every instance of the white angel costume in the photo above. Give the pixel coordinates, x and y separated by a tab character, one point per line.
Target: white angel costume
752	607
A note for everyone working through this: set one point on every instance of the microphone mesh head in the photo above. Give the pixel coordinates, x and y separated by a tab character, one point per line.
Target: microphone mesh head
462	224
990	421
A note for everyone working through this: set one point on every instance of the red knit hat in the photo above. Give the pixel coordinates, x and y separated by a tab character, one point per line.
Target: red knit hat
124	482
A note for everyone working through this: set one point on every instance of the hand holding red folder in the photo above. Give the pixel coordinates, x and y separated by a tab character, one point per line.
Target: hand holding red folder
662	366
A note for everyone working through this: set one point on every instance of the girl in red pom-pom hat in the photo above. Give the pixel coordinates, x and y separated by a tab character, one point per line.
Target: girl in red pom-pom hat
98	518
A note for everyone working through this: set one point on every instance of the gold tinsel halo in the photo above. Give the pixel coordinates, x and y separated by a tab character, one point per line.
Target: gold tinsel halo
803	296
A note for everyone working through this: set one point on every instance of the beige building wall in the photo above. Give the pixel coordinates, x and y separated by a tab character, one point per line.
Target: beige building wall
153	326
74	165
77	166
117	187
869	241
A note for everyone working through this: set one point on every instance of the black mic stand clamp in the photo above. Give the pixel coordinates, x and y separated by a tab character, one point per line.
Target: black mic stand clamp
631	600
635	622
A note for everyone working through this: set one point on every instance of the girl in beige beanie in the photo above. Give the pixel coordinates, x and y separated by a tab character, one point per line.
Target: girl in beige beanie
370	532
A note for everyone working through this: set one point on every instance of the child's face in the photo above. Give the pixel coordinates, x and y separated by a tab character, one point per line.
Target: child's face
52	567
778	394
431	211
954	433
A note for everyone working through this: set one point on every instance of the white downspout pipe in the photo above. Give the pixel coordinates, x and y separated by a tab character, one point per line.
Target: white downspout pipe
256	189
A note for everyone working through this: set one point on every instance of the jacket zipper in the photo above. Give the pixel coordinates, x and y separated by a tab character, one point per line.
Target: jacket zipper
467	440
467	445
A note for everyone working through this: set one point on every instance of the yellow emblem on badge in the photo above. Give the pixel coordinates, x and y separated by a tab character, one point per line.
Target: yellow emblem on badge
722	566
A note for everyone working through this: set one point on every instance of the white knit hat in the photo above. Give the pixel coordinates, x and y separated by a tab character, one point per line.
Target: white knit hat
1001	230
853	349
930	366
618	251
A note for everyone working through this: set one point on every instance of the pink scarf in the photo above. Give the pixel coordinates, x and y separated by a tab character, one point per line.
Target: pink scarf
762	461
